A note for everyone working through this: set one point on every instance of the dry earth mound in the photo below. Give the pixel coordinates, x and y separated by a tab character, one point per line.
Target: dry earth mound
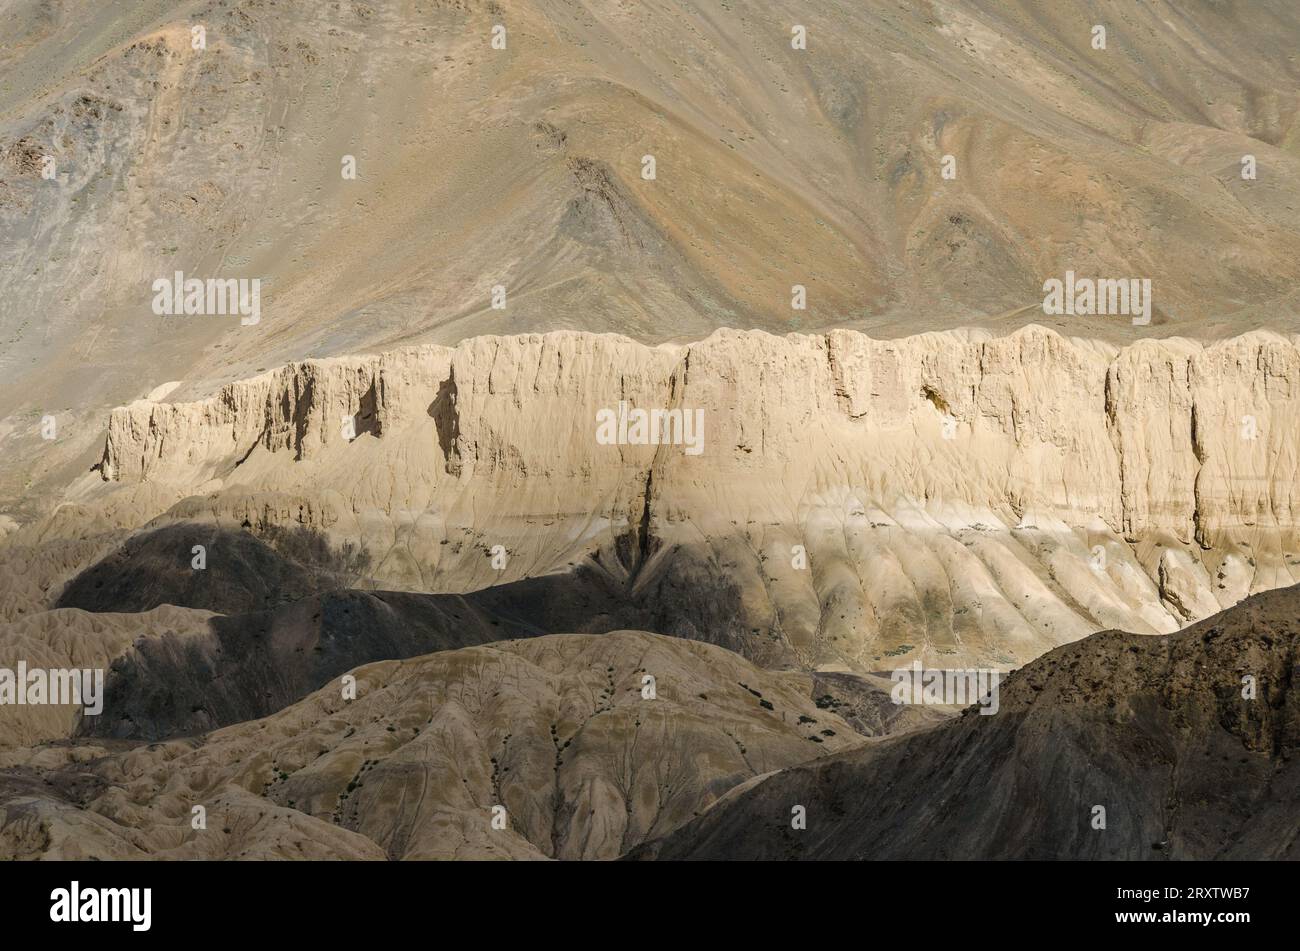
560	730
1153	730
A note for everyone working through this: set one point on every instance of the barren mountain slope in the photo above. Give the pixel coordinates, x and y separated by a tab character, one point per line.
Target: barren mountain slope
522	167
1156	731
630	385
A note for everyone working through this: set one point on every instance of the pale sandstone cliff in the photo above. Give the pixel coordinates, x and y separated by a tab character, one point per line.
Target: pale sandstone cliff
974	498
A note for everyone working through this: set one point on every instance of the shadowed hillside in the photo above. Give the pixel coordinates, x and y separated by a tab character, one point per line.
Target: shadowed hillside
1154	730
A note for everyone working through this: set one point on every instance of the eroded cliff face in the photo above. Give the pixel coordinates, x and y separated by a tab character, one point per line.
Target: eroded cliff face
952	496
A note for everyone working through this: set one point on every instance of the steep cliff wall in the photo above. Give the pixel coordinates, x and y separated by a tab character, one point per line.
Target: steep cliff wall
962	495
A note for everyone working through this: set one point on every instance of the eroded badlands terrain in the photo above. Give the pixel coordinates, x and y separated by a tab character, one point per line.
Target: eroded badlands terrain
374	577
